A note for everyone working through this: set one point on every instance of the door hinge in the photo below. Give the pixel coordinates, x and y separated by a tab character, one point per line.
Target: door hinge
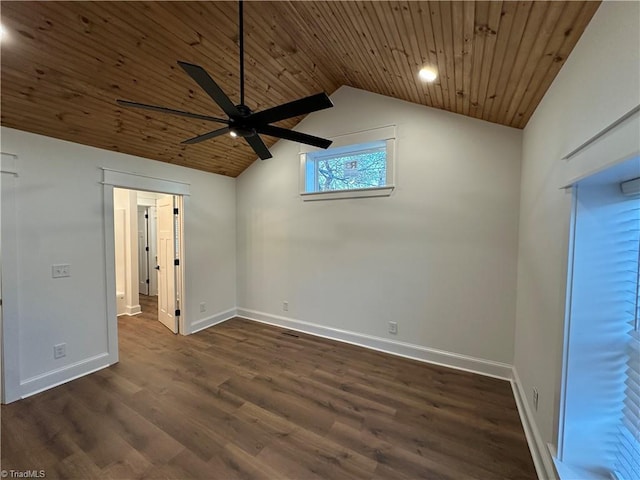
146	249
147	281
177	313
146	215
176	262
175	211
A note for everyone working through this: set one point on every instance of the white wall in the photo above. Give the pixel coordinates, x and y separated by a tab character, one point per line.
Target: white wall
598	84
59	202
438	256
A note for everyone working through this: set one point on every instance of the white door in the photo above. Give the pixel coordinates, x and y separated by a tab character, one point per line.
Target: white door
143	251
166	267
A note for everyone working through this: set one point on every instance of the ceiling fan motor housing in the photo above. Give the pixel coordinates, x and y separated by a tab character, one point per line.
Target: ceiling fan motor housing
239	125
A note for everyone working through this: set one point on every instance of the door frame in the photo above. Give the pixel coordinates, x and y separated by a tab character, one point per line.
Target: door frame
134	181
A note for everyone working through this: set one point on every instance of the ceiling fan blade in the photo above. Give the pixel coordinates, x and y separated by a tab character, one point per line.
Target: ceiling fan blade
206	136
207	83
302	106
155	108
294	136
258	146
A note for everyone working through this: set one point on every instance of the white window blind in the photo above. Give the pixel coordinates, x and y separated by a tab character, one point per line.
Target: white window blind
627	464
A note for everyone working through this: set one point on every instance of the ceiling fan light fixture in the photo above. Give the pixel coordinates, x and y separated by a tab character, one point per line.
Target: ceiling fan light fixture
428	74
241	131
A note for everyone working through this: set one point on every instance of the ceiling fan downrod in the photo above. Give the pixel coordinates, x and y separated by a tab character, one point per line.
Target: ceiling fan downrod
241	35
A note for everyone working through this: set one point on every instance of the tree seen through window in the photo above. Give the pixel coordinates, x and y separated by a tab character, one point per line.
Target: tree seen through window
356	167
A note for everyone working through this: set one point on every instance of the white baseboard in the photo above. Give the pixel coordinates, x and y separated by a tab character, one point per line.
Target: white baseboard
212	320
53	378
132	310
394	347
45	381
540	451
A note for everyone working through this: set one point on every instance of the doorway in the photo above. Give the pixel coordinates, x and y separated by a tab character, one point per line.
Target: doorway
147	251
111	180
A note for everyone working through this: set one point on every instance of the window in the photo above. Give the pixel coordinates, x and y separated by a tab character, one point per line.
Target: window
347	168
358	165
627	465
600	401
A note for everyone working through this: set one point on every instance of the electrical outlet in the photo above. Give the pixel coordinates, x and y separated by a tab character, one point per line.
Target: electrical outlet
60	350
60	271
535	398
393	327
203	307
285	306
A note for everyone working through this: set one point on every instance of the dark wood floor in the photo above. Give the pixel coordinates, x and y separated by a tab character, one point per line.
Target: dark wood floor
245	400
149	306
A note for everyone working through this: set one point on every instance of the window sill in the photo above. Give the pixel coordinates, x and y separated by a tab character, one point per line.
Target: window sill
572	472
356	193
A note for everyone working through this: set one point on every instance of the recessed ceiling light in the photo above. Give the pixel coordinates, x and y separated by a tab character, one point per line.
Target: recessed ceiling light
428	74
233	134
3	32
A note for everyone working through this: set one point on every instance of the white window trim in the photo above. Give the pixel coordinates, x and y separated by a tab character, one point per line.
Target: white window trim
353	193
387	133
615	144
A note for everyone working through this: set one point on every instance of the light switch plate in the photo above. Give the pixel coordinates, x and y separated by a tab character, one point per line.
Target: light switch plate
60	350
61	271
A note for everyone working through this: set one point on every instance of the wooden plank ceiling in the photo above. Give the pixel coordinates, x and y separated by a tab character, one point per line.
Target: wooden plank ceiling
65	63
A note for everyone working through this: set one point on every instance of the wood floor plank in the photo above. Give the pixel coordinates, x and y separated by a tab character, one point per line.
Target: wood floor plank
152	442
389	457
245	400
269	422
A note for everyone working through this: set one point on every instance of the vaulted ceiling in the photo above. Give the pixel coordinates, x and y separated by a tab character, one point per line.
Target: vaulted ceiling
63	64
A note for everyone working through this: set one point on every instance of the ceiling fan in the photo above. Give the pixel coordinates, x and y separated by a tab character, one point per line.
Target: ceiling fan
242	121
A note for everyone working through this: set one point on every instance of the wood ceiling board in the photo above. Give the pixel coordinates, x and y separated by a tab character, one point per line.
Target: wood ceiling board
531	64
371	50
426	43
67	63
468	27
494	15
513	43
503	36
480	33
458	52
536	18
575	19
449	52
